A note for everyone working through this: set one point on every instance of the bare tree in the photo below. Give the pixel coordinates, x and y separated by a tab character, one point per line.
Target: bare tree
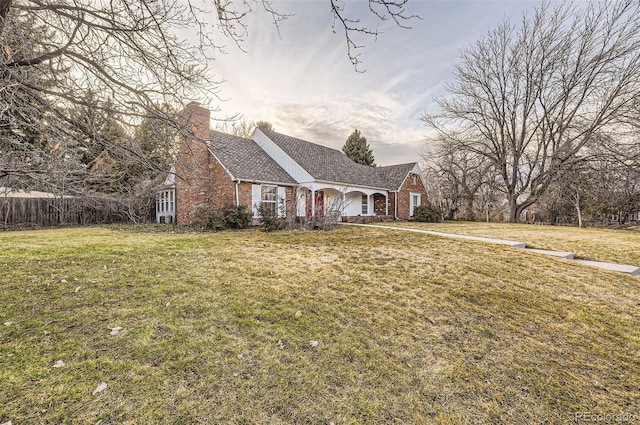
242	127
461	175
238	127
530	97
600	188
128	54
394	10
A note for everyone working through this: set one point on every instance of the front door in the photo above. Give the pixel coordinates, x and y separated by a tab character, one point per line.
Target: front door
319	204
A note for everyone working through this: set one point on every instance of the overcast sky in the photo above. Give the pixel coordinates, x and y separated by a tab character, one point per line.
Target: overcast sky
304	84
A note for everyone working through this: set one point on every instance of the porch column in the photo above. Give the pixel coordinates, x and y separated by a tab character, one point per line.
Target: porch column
313	203
386	204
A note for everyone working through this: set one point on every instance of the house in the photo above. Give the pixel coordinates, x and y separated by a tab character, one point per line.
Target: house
294	177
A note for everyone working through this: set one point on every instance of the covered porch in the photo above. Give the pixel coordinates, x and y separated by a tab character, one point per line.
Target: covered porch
318	200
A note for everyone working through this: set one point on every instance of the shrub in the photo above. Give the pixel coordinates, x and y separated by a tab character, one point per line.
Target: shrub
428	214
229	216
269	219
207	218
235	217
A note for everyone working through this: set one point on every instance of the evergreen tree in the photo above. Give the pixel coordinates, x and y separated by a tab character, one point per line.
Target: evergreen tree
358	150
156	140
27	130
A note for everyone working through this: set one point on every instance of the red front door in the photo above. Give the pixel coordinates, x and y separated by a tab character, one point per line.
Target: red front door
319	204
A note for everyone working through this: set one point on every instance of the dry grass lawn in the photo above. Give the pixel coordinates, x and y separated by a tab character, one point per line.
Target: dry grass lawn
217	329
616	246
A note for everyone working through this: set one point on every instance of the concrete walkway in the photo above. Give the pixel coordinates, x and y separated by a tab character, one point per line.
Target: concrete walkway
632	270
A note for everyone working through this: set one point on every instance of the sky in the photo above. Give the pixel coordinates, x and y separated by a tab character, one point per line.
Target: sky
301	79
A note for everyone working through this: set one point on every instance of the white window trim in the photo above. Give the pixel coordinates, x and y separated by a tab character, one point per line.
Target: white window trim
412	205
165	204
274	201
280	201
362	204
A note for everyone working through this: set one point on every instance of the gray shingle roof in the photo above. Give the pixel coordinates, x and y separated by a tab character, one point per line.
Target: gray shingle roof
394	175
332	165
245	160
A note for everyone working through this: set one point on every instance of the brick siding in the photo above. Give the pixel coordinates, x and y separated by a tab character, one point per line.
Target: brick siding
404	195
200	180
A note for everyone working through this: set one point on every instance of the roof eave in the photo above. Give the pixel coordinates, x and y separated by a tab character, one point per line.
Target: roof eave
351	185
276	183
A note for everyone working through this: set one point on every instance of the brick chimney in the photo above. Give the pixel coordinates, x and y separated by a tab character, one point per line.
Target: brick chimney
193	165
195	121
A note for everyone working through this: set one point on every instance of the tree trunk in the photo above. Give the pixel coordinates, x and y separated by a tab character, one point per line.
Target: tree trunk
514	210
469	213
517	209
516	213
578	209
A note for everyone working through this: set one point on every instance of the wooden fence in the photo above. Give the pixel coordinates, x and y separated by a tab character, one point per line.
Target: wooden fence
17	212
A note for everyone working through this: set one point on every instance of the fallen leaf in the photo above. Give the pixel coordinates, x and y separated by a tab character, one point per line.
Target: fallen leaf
240	356
7	423
78	288
280	345
431	320
59	363
116	330
313	344
8	323
63	281
298	314
100	388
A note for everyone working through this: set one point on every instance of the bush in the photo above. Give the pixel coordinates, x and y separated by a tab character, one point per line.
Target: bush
428	214
229	216
269	219
235	217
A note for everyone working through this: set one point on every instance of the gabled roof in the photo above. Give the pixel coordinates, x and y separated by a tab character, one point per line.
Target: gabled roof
170	181
245	160
394	175
332	165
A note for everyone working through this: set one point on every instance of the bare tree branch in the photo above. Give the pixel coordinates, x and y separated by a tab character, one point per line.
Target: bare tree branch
531	98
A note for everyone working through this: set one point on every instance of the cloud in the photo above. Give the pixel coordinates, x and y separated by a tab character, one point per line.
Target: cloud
330	120
302	82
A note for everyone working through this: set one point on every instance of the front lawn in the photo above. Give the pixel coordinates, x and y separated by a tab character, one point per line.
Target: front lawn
356	326
616	246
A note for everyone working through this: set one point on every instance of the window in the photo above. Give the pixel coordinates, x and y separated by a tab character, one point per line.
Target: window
165	204
414	201
272	197
269	198
365	205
